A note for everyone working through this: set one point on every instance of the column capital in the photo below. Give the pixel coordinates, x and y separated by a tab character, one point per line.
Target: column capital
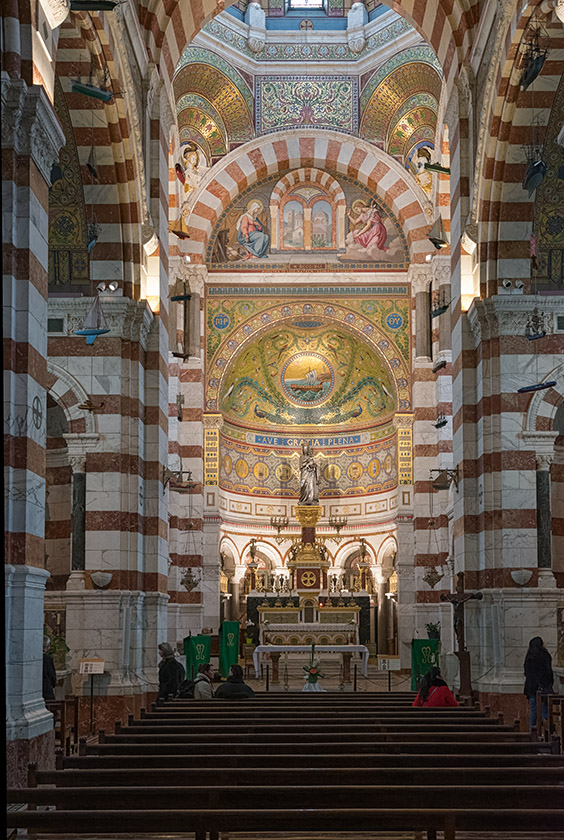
544	460
30	125
420	277
78	463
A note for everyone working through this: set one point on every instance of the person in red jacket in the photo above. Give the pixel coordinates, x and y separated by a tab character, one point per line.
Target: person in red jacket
433	691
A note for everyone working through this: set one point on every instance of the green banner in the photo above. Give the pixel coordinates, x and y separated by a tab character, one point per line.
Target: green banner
228	646
197	652
424	655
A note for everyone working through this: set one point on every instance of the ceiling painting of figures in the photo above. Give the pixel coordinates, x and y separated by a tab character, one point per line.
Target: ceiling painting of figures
309	228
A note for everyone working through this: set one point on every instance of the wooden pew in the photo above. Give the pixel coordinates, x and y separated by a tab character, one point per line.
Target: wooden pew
131	776
262	762
200	821
306	748
265	797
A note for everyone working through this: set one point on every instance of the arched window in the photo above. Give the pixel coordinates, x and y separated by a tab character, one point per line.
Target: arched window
308	220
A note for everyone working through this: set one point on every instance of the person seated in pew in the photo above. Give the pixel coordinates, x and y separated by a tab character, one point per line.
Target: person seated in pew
234	688
433	691
203	683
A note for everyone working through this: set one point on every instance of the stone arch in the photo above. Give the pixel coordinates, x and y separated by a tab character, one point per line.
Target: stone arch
330	151
500	206
311	175
83	44
544	404
70	395
169	27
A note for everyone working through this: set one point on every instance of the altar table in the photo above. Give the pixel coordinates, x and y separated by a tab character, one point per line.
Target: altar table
319	649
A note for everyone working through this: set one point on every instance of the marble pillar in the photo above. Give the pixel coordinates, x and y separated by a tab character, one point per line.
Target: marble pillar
544	519
78	513
26	715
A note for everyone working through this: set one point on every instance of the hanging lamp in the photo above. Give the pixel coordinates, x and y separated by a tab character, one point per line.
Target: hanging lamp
437	235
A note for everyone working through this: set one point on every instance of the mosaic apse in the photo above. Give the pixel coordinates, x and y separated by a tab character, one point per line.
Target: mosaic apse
310	375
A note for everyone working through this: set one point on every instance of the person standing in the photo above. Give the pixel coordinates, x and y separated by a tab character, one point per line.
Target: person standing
203	683
538	677
434	692
49	673
171	672
234	688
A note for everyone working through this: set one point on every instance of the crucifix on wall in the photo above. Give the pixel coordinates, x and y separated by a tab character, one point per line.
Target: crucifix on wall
458	599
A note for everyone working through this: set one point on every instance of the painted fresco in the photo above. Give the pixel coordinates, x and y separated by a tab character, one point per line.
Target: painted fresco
346	472
307	373
311	232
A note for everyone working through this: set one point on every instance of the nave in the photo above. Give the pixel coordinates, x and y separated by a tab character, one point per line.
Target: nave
289	765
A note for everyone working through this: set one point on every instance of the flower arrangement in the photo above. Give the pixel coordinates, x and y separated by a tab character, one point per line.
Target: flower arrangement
312	672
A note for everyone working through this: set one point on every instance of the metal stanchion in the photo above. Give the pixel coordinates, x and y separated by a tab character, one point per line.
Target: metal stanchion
268	677
355	676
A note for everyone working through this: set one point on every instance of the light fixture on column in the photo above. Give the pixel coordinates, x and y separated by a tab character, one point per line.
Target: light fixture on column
439	365
432	576
441	422
93	5
444	478
437	167
527	389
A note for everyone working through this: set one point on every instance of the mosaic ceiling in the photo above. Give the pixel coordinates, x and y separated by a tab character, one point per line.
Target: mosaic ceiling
307	373
219	104
389	96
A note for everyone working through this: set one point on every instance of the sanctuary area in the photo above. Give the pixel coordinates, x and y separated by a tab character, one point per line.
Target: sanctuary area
283	290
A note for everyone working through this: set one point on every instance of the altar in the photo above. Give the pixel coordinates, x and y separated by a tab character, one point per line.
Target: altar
346	650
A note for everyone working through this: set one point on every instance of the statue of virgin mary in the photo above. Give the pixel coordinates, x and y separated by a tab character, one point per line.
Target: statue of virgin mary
309	492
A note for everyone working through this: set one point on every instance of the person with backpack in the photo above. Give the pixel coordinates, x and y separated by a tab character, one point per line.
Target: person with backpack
433	691
171	672
234	688
203	683
538	678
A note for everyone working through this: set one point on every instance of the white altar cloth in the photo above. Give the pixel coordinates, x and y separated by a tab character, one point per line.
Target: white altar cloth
319	649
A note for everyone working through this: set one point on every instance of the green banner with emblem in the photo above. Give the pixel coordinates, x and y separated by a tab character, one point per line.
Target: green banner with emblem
424	655
197	652
228	646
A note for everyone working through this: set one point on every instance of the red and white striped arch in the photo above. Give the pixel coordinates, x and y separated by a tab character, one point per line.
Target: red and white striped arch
311	176
445	24
333	153
506	211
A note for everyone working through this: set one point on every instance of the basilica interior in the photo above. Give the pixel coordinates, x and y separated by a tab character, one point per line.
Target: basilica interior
243	241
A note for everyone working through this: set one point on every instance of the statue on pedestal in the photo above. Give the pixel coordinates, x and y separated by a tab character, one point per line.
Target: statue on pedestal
309	491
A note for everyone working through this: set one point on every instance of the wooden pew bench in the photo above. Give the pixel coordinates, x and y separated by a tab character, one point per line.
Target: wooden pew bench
393	745
266	797
131	776
343	761
287	820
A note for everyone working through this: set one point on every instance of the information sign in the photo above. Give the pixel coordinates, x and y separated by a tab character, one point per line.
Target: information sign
389	663
91	666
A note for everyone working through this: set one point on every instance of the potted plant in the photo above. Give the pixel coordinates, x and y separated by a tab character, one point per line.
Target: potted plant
433	630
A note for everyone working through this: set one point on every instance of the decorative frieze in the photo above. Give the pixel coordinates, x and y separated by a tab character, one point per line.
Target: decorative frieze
127	319
508	315
30	125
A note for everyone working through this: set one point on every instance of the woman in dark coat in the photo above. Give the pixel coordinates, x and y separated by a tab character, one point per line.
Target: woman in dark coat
538	677
49	673
433	691
171	672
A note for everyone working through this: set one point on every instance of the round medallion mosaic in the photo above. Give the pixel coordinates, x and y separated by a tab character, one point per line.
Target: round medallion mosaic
307	379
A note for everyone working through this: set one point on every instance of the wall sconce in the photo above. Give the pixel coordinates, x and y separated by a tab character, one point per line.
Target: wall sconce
279	522
337	522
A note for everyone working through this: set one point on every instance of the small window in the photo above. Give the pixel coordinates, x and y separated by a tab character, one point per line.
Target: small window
560	323
55	325
305	4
